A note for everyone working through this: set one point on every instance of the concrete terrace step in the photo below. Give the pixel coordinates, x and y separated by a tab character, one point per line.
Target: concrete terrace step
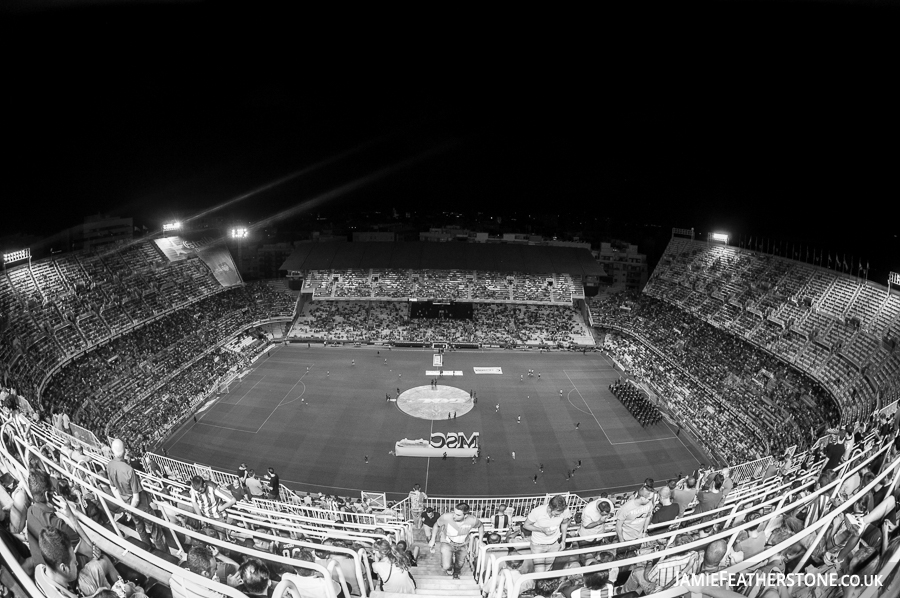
445	582
461	594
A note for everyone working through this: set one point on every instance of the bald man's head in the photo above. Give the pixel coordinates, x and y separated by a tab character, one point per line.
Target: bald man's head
118	448
715	552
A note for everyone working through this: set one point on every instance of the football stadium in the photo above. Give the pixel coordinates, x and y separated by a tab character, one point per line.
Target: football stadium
738	413
566	301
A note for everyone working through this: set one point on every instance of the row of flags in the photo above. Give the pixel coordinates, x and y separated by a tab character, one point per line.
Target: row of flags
803	253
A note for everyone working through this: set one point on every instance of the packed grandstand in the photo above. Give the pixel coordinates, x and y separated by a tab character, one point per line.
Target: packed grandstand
786	373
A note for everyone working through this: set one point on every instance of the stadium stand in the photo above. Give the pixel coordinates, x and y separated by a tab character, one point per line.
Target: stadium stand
784	371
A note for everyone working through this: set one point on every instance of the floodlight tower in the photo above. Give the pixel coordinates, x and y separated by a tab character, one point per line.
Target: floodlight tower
15	256
239	233
171	226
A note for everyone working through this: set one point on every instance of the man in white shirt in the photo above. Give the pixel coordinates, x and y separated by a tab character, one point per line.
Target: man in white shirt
633	517
594	517
548	525
254	486
454	529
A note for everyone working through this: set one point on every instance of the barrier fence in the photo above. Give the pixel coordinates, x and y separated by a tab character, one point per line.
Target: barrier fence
486	507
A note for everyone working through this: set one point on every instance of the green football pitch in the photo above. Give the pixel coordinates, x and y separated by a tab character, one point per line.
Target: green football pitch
317	427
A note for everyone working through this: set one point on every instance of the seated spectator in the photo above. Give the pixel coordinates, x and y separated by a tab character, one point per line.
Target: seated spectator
254	486
201	559
62	567
254	576
667	571
392	568
592	585
411	555
311	583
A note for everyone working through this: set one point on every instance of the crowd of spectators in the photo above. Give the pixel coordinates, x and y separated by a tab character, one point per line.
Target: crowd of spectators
95	385
778	398
441	284
500	324
720	430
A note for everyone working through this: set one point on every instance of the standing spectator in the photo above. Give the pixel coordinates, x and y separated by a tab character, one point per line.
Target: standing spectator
429	520
711	496
254	486
835	452
548	525
454	529
209	500
594	517
274	484
417	500
127	487
727	483
683	497
666	512
633	517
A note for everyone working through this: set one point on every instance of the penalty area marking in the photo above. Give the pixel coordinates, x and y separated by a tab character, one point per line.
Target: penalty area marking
591	413
588	406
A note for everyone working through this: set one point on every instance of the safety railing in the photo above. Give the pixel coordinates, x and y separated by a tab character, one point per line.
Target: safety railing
110	503
832	490
891	470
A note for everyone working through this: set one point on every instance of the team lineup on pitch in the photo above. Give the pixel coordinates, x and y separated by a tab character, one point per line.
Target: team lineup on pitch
333	415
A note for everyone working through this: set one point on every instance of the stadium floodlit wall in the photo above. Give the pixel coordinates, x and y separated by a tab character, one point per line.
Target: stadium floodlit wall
527	259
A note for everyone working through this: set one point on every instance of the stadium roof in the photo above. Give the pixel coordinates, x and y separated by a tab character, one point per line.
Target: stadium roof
531	259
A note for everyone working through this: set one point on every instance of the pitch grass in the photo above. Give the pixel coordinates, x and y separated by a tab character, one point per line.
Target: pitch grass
316	428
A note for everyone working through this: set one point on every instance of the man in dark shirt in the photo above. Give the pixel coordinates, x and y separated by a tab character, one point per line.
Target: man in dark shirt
834	452
667	511
429	519
274	484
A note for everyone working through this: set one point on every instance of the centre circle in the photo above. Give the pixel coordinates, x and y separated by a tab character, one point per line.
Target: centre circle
429	402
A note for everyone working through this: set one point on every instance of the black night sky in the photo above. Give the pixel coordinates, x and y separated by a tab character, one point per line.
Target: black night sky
775	120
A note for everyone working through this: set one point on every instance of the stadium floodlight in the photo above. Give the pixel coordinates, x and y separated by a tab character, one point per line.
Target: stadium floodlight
169	226
239	233
723	237
15	256
893	278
